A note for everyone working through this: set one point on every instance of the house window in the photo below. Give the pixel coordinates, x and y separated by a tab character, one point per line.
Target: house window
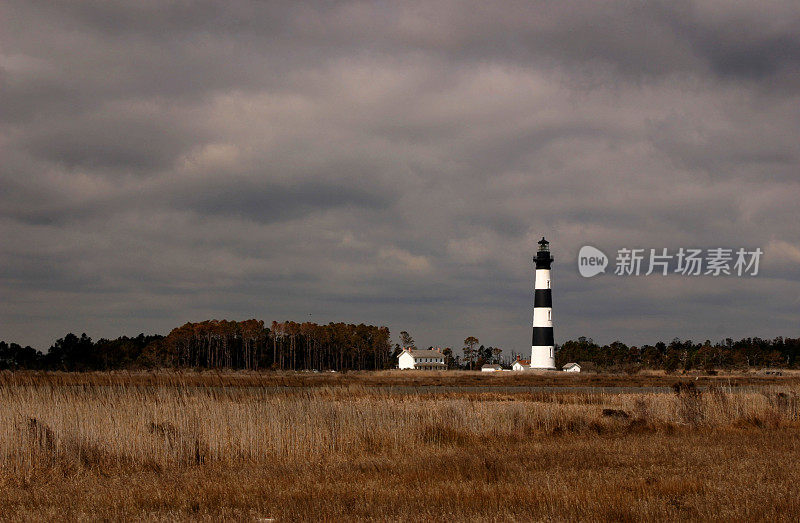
549	311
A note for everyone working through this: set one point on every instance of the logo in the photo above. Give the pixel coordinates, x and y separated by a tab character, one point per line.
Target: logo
717	261
591	261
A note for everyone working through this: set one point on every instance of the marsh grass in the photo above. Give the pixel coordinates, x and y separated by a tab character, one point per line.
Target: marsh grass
387	378
354	452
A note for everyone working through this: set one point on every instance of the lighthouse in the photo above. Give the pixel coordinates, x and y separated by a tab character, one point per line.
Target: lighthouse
542	346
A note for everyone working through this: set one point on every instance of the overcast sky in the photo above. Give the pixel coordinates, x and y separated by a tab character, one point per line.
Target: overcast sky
394	163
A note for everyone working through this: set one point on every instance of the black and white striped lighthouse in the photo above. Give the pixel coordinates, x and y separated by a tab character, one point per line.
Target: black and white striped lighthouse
542	346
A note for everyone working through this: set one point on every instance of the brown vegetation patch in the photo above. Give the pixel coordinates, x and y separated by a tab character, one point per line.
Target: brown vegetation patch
404	379
360	453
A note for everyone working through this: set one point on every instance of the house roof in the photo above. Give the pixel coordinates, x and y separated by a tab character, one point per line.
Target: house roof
426	354
423	354
570	364
523	362
499	367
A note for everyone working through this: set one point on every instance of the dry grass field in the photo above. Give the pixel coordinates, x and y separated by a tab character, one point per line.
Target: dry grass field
118	446
392	378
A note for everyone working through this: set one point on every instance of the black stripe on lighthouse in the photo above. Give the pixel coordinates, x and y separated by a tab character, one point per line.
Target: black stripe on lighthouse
542	298
542	336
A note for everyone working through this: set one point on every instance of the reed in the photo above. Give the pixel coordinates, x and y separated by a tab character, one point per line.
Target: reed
110	450
392	378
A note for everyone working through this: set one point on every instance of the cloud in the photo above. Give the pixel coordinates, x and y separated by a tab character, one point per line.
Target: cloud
404	260
394	163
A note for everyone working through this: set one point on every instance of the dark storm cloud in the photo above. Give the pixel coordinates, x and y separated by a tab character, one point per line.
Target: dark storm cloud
264	202
752	44
110	143
395	163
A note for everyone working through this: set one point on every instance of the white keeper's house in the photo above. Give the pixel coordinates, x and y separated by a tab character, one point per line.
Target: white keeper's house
571	367
521	365
421	359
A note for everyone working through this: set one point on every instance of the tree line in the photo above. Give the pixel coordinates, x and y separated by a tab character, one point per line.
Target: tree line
288	345
215	344
284	345
683	354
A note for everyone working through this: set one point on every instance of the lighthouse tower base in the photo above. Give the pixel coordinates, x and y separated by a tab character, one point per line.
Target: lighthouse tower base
542	357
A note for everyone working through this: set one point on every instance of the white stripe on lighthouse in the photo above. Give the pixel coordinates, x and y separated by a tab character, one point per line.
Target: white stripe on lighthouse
542	280
542	317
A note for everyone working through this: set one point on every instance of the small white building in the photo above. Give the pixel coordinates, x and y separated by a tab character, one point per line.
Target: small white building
421	360
521	365
571	367
491	368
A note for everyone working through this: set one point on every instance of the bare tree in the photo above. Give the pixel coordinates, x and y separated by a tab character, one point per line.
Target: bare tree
406	341
469	349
